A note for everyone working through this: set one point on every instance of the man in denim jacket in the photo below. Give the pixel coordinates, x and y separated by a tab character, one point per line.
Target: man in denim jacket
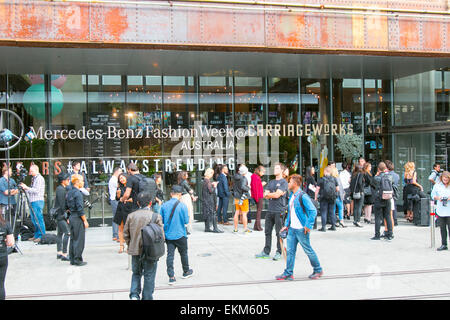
299	222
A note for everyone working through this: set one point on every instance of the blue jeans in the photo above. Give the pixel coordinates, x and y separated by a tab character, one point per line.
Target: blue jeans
147	269
340	206
115	226
37	207
222	210
294	237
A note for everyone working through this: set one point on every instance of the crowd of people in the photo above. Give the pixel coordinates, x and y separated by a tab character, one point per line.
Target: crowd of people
293	205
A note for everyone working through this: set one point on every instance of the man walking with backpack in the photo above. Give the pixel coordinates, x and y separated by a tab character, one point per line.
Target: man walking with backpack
328	187
299	222
142	265
175	216
383	195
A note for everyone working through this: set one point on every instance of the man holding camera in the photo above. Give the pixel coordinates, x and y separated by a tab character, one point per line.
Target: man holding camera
299	222
8	190
36	196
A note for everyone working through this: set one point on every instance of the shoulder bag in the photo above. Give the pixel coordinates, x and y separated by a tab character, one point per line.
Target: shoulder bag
356	195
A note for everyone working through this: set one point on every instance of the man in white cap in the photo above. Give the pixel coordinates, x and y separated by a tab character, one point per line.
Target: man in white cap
241	195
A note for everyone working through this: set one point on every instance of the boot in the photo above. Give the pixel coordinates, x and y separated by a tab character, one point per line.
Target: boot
214	221
207	224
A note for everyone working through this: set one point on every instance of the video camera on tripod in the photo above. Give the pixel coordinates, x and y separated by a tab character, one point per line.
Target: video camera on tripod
21	173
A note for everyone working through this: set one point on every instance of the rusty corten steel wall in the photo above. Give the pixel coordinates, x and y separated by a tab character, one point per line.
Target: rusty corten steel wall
129	25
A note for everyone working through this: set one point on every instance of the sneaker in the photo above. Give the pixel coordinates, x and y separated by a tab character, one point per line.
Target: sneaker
332	228
247	231
134	298
375	238
277	256
443	247
188	274
172	281
284	277
235	231
316	275
262	255
389	238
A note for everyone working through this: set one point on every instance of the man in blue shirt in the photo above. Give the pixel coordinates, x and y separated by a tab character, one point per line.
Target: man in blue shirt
8	190
299	222
175	216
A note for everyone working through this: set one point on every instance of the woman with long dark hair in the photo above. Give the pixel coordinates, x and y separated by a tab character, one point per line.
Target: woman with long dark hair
369	190
357	193
123	209
441	194
6	240
311	188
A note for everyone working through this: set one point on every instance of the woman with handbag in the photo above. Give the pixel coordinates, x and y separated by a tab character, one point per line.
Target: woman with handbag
357	189
369	187
188	197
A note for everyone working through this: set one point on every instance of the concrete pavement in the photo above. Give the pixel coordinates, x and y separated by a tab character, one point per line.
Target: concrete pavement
225	267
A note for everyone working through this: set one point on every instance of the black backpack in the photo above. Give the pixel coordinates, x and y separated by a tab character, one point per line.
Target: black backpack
147	184
48	238
152	240
386	189
329	189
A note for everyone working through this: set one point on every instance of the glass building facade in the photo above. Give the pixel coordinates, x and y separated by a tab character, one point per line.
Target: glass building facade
105	120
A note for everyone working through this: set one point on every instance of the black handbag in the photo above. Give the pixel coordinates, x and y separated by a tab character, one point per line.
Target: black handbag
367	191
356	195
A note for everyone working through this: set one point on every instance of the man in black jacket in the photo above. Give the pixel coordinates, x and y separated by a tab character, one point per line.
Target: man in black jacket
62	227
223	192
382	207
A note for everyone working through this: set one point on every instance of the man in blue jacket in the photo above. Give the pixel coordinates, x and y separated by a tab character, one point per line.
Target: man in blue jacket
223	192
299	222
175	232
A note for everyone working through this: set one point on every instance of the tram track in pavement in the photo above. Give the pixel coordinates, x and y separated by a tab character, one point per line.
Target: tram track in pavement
254	282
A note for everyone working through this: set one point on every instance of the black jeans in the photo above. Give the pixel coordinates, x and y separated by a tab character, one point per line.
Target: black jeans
357	209
444	223
62	238
77	239
272	219
327	208
383	212
182	246
3	268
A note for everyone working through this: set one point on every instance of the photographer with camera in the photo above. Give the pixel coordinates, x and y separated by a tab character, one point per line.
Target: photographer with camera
36	196
8	190
441	194
6	240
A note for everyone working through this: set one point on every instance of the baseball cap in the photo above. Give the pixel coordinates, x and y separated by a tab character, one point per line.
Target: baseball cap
63	176
177	189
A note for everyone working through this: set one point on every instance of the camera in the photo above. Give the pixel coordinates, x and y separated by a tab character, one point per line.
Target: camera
21	172
242	198
444	201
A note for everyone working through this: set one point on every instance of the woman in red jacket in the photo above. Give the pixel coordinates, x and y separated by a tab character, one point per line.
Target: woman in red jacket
257	191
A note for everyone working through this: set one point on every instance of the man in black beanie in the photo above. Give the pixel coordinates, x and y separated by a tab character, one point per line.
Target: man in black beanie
62	227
